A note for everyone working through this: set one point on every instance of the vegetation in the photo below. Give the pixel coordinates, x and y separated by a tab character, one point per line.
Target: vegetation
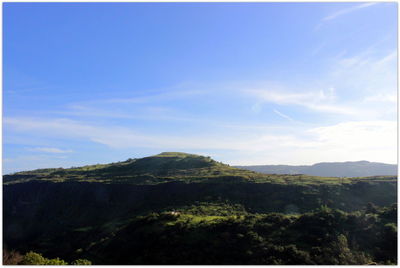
176	208
227	234
325	236
33	258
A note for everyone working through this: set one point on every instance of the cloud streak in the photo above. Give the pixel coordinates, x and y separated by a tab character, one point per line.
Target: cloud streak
283	115
320	101
50	150
347	11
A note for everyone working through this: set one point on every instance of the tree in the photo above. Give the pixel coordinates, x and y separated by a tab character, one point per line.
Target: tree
33	258
81	262
338	252
56	261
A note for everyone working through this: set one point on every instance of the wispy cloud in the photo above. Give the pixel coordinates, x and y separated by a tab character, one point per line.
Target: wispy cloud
347	11
283	115
342	12
139	112
117	137
112	136
281	97
320	101
348	89
30	162
362	75
353	140
160	96
366	73
50	150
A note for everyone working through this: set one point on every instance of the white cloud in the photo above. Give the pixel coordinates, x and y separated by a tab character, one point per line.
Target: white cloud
347	141
358	135
368	140
347	11
391	98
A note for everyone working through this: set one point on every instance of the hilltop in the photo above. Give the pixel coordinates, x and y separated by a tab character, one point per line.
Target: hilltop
164	167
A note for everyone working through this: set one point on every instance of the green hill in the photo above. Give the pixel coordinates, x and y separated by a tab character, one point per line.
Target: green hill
131	212
163	167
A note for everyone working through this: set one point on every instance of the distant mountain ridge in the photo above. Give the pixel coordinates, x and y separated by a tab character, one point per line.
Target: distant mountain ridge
329	169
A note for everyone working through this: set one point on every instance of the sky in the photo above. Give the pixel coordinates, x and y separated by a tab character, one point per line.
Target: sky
244	83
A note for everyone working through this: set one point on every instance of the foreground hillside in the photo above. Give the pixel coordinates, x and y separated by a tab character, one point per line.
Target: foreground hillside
148	210
334	169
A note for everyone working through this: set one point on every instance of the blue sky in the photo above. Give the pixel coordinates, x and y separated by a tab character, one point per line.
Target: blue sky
245	83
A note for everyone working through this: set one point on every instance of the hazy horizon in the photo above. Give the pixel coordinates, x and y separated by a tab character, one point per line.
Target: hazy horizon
243	83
